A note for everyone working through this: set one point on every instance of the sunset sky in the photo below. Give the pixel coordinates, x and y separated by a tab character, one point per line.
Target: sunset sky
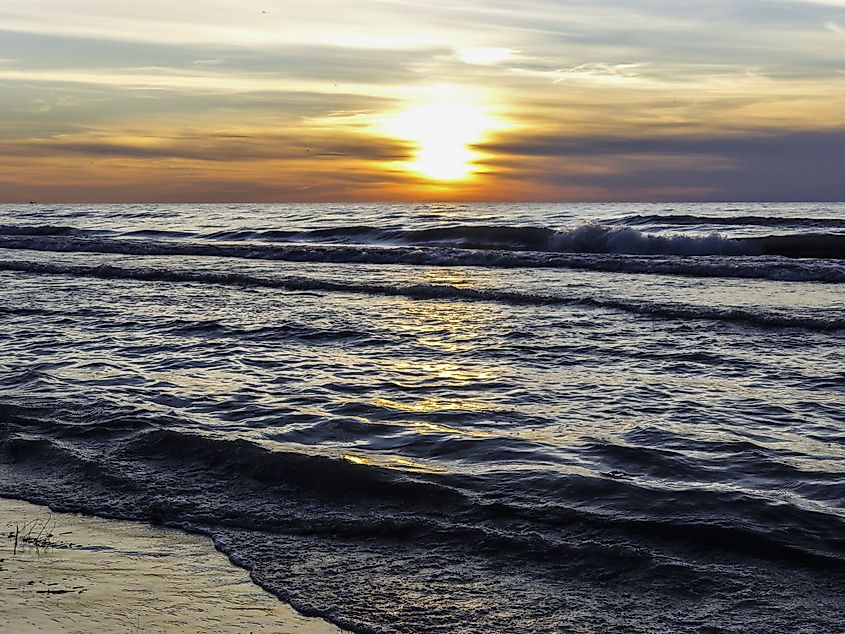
247	100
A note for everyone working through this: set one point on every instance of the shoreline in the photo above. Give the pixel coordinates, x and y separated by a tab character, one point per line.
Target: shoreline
64	572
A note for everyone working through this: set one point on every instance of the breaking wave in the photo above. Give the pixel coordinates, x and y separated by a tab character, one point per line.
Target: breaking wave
587	237
590	237
774	268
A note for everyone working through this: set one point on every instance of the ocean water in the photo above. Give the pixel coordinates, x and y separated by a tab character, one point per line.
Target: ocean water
449	418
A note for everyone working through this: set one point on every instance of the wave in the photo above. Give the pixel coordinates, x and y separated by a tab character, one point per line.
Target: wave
39	230
780	269
288	516
293	331
587	238
733	221
25	311
760	318
337	495
803	246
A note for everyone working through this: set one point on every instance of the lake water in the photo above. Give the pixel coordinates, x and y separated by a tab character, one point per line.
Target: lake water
448	417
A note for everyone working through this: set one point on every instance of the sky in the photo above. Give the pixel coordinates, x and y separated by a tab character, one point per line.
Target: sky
402	100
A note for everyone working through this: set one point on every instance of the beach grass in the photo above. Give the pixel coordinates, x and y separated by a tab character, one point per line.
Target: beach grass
63	572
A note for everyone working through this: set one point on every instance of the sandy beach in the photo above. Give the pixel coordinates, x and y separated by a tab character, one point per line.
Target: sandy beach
61	572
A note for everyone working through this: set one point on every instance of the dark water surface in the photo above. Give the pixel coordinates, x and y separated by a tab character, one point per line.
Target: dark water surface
449	418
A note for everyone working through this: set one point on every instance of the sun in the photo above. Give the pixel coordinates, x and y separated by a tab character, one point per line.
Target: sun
443	133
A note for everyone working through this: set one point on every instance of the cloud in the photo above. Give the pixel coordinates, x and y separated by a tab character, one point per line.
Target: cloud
485	56
797	165
43	57
210	146
600	71
602	98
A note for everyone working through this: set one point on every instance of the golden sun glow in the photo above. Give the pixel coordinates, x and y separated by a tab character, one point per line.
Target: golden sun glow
443	133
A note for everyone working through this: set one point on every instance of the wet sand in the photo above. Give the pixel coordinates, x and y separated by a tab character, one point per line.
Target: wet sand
73	573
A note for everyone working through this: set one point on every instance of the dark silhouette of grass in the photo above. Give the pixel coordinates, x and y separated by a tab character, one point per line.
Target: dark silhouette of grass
36	533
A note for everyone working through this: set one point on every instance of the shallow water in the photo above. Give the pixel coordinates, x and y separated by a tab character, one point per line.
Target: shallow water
449	418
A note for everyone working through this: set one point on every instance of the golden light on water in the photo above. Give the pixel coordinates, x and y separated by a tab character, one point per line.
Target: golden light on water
443	132
357	459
